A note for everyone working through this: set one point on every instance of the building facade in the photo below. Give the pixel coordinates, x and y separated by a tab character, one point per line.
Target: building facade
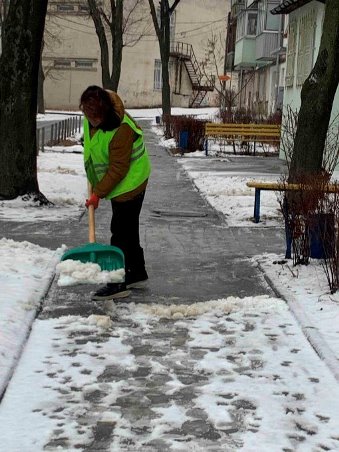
304	35
256	51
71	56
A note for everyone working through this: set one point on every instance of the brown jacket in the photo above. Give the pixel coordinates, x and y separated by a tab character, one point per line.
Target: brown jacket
120	150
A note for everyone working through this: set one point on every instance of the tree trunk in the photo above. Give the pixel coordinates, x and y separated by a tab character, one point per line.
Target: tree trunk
117	43
164	38
100	31
164	44
317	97
41	79
19	62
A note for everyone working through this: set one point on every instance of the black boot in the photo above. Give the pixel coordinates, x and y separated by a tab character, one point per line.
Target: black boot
111	291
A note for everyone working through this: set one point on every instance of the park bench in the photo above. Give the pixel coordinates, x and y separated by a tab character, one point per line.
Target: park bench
281	186
278	186
242	133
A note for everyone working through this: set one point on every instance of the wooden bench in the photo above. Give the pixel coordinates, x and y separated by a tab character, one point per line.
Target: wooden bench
256	133
281	186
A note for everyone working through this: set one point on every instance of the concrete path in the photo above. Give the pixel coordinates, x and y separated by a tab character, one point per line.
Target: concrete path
192	256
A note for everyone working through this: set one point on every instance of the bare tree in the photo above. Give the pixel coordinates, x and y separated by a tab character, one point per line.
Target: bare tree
317	97
41	80
162	30
121	23
22	34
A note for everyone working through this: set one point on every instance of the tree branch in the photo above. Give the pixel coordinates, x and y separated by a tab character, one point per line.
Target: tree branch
172	8
155	19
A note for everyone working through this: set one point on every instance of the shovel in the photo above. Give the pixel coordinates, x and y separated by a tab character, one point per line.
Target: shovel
106	256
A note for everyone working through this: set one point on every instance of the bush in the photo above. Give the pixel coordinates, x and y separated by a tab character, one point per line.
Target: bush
246	116
173	125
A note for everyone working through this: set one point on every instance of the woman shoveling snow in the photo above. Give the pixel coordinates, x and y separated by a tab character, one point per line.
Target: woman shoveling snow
117	167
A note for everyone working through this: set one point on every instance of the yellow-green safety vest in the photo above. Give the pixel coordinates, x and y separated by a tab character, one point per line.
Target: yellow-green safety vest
96	158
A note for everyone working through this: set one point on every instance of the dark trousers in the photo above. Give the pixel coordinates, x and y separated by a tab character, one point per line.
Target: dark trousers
125	232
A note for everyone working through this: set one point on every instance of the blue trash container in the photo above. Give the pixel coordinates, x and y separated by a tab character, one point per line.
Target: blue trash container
322	235
183	139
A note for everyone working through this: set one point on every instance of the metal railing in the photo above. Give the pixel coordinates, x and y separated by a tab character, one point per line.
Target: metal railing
58	131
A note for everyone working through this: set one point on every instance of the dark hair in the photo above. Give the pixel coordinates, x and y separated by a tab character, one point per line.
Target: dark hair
99	101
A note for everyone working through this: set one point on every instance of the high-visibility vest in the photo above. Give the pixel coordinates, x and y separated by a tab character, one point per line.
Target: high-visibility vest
96	158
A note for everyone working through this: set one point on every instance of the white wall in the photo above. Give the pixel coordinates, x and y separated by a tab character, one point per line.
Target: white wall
292	94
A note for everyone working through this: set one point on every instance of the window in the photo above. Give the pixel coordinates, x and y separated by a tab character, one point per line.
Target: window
84	64
246	24
252	24
262	11
65	8
291	53
266	20
157	74
240	33
273	21
307	26
62	64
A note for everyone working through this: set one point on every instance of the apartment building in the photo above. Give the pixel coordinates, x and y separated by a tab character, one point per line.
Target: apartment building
304	35
256	51
71	56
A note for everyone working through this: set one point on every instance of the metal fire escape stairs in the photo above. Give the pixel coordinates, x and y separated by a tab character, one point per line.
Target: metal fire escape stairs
201	84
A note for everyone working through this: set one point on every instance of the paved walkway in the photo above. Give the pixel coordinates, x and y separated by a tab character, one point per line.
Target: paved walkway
108	402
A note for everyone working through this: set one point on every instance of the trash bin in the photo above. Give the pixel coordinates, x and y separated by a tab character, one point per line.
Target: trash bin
157	119
322	235
183	139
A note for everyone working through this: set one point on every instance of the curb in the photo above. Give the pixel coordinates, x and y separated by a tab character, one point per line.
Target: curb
27	326
311	333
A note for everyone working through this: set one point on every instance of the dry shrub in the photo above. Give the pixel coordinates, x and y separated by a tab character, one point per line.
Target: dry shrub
304	212
311	216
173	125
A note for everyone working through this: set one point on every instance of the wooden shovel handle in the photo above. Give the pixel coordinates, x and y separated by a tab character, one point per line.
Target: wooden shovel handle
91	218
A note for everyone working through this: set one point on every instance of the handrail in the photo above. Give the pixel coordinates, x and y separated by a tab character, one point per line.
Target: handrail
186	50
59	130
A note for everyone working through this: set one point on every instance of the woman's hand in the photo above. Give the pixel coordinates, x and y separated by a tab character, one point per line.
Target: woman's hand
93	201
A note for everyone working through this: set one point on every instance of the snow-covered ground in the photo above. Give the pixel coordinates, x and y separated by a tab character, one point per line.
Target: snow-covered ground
26	271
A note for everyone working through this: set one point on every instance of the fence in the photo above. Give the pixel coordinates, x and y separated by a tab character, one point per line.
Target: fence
58	131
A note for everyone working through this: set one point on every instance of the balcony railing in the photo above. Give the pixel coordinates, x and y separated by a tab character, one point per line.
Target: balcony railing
265	44
244	56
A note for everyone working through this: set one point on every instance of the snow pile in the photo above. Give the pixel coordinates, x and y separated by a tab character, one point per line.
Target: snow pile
102	321
221	307
26	271
73	272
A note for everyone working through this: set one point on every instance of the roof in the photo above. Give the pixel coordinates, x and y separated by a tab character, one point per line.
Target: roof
287	6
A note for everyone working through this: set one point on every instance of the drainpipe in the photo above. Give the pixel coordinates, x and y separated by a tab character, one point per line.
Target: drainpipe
241	72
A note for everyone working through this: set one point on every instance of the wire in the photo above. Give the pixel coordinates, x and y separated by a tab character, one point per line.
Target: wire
187	32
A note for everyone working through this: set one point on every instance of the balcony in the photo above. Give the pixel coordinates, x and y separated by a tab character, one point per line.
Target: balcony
237	6
265	45
244	56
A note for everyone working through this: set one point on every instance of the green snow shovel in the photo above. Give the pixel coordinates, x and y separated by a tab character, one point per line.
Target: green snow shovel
106	256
